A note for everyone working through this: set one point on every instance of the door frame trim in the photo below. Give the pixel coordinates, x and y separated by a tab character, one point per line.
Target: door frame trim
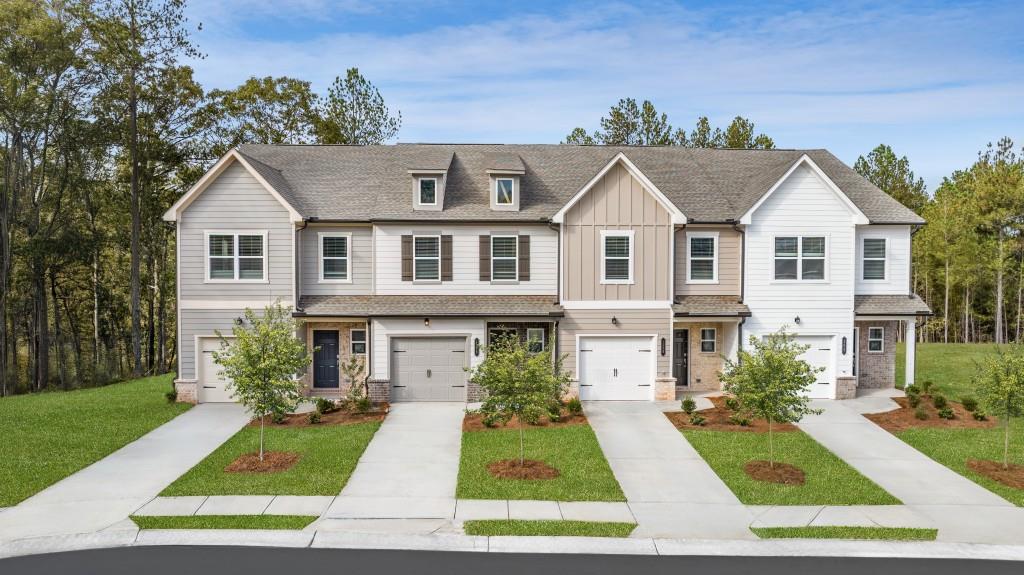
337	334
654	354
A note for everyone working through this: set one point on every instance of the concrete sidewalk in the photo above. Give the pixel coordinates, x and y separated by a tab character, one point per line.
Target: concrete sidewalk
671	490
410	469
109	490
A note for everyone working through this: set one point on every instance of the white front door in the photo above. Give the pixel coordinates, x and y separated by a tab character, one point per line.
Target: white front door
820	354
212	387
616	368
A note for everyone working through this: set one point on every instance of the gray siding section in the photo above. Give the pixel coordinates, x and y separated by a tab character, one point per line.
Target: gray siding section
360	266
630	322
235	201
200	322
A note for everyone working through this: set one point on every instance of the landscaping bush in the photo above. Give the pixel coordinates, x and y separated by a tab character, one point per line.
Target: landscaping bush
947	413
314	417
278	416
357	399
969	403
555	412
912	389
689	405
913	399
920	413
172	396
980	416
939	401
697	419
324	405
575	406
926	386
739	419
732	404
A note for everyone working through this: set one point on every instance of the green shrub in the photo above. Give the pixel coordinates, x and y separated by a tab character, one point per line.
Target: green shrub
324	405
920	413
689	405
912	389
489	420
314	417
947	413
913	399
739	419
969	403
278	416
939	401
575	406
980	416
172	396
697	419
926	386
732	404
555	412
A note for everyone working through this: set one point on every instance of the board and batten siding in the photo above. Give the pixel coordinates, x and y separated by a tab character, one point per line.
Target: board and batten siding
617	202
360	262
631	322
803	205
897	254
235	201
466	260
729	262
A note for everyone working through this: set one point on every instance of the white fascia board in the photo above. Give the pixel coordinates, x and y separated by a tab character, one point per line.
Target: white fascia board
858	216
677	216
174	212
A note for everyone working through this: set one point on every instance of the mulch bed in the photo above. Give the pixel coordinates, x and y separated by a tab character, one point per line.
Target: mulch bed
783	473
475	422
273	462
530	469
1012	477
340	417
903	418
717	419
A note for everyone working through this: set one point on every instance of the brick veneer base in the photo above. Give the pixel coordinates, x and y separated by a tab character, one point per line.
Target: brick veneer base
846	387
187	391
665	389
380	389
876	370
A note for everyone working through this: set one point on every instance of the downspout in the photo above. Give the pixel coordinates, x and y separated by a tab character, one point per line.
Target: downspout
298	264
743	284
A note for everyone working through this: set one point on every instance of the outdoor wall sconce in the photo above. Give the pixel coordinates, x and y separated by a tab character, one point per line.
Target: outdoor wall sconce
796	320
844	345
239	320
663	347
615	320
426	322
476	346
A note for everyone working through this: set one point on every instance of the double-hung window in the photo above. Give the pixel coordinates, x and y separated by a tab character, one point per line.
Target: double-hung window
708	339
504	258
358	341
335	255
703	257
874	259
236	256
535	339
427	257
504	191
800	258
616	257
876	339
428	191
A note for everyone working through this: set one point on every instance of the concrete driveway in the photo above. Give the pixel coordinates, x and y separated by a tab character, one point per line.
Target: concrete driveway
109	490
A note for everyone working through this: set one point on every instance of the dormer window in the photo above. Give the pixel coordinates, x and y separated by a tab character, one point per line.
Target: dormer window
504	191
428	191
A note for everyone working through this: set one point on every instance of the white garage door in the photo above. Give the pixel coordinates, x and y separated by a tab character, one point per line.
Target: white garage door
820	354
616	368
212	387
428	369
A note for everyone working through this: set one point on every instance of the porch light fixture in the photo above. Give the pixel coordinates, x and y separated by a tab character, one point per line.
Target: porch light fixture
844	345
476	346
239	320
426	322
615	320
663	347
796	320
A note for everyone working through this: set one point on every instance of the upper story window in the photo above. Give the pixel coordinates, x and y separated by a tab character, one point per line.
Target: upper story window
876	339
427	257
358	341
505	258
504	191
616	257
335	255
236	256
800	258
703	257
708	340
428	191
874	259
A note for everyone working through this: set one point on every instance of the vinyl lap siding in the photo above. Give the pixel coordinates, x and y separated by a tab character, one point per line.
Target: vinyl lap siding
360	266
729	262
897	280
196	322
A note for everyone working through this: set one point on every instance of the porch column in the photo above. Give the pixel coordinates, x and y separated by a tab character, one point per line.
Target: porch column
911	341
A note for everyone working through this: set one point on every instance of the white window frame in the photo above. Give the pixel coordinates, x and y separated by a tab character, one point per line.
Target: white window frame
512	202
617	234
799	258
516	259
713	340
864	258
880	340
352	341
689	258
416	258
419	191
235	233
543	337
347	258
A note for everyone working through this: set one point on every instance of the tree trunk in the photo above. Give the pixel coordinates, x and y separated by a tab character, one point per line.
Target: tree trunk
1006	440
42	326
999	288
96	360
967	314
945	307
522	450
151	321
136	214
58	335
771	445
1020	299
262	418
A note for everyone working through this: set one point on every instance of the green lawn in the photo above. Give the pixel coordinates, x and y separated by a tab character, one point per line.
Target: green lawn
224	521
953	447
951	366
884	533
48	436
573	450
829	480
498	527
329	454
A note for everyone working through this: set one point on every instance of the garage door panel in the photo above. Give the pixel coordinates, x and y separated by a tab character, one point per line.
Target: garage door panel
820	354
428	369
616	368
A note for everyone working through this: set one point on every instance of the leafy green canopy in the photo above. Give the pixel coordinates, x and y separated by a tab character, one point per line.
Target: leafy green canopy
1001	388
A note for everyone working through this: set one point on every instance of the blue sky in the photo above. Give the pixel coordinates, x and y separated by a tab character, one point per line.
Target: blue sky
935	80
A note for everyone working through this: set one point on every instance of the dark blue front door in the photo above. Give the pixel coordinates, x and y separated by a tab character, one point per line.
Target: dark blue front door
325	359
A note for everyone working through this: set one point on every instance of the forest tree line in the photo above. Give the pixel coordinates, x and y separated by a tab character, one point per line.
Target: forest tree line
103	127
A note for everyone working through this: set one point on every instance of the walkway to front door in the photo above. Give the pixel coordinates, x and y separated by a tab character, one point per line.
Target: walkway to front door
410	469
671	490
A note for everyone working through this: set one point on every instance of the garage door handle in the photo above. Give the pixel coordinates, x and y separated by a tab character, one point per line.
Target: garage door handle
615	372
428	373
458	386
644	350
209	387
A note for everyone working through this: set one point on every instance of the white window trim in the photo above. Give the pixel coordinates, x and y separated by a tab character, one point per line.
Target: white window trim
689	258
419	192
516	259
543	337
713	340
206	256
616	233
415	258
351	341
348	256
878	339
863	258
498	203
799	258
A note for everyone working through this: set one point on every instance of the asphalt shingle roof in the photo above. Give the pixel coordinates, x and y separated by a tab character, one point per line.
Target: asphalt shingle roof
435	305
361	183
890	305
709	305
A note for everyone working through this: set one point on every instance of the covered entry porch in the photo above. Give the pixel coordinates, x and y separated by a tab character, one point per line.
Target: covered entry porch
706	330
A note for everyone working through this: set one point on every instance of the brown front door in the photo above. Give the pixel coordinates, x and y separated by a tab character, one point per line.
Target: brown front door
681	356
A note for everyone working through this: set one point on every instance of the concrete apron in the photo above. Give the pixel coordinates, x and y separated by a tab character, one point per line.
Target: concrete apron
108	491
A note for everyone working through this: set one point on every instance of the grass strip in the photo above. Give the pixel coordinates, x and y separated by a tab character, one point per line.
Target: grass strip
860	533
505	527
223	521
